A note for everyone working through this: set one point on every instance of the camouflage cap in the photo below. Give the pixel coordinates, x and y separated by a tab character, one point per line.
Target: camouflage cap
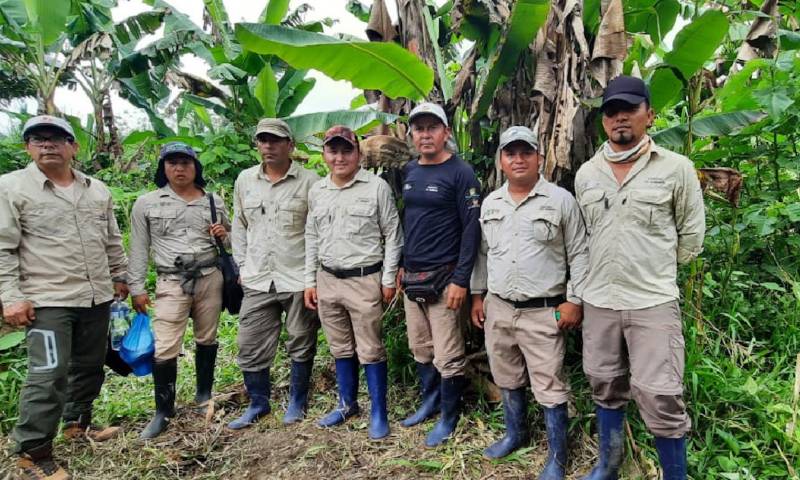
340	131
173	148
518	133
427	108
47	121
274	126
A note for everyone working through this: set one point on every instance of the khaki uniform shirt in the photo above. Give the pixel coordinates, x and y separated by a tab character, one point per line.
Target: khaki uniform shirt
639	231
56	251
268	228
170	226
354	226
527	247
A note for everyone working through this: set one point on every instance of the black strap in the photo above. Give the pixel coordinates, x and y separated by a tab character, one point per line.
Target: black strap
211	202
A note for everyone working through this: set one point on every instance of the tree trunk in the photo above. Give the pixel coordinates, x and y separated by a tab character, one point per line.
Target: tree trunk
109	121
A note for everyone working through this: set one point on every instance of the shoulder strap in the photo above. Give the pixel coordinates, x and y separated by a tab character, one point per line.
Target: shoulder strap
213	206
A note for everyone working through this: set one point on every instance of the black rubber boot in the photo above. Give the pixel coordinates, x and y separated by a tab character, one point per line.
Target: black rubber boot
258	388
452	389
164	376
430	383
205	359
515	410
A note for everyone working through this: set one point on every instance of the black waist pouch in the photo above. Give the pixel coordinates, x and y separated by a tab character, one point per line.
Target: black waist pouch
427	287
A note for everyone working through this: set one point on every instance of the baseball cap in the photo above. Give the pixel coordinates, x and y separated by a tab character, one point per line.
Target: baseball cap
47	121
427	108
518	133
274	126
172	148
627	89
340	131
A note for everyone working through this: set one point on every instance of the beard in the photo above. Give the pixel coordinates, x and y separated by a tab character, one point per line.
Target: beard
622	138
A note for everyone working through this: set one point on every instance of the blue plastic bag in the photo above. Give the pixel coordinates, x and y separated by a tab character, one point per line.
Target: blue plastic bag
138	346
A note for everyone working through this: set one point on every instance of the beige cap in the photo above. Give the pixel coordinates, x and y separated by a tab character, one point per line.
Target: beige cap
518	133
274	126
427	108
47	121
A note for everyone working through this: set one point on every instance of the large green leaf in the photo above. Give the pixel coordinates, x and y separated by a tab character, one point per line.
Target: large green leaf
133	28
445	82
775	100
219	18
737	93
11	340
664	87
697	42
655	17
305	126
711	125
274	12
48	18
526	18
266	90
368	65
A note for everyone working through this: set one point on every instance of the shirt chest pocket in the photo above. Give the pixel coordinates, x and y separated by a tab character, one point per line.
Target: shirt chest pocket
545	226
492	224
94	219
252	208
48	222
164	221
651	208
361	219
593	205
291	216
322	221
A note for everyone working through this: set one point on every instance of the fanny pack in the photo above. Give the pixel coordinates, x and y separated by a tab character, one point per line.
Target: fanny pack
427	287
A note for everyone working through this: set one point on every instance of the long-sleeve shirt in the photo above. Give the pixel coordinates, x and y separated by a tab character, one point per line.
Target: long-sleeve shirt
641	229
527	246
354	226
57	251
440	217
268	228
171	227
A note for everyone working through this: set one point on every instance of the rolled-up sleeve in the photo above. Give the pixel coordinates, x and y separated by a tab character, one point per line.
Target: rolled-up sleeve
140	248
392	234
690	217
239	227
10	234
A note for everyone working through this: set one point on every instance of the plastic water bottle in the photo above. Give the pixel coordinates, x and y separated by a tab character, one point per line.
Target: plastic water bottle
119	322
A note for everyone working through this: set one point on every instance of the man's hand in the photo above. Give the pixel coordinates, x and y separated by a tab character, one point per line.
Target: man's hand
399	278
310	298
388	294
571	316
141	302
121	290
476	313
19	314
455	296
218	231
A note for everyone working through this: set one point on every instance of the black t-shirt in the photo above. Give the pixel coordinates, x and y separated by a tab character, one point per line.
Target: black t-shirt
440	217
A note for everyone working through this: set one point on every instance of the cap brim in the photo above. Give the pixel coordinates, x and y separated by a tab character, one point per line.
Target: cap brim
172	154
532	144
414	116
273	131
624	97
334	137
47	125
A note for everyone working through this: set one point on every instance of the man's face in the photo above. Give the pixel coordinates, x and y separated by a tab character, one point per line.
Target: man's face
520	162
50	147
625	123
342	157
180	170
274	149
429	135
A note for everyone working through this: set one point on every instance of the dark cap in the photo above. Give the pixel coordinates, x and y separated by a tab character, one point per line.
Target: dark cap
626	89
173	148
340	131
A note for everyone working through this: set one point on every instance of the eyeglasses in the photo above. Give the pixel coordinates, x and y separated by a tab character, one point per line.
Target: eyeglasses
57	140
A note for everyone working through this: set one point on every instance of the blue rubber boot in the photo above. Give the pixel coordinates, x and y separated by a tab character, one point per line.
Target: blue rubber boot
376	384
452	388
672	453
612	446
258	388
556	421
515	409
430	383
347	382
298	391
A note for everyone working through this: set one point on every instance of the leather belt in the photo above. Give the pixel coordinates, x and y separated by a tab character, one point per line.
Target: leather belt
541	302
354	272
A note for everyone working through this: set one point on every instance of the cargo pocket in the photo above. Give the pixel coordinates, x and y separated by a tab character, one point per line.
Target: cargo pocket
291	216
651	208
163	220
491	223
45	222
359	217
593	207
677	358
545	226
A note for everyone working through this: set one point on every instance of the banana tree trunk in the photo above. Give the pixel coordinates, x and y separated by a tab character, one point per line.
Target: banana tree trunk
114	147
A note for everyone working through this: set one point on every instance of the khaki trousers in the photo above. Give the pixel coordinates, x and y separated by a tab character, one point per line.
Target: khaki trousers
351	310
434	335
526	345
649	344
174	307
260	328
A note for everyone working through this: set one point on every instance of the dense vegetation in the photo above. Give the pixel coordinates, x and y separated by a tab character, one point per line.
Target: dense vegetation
726	94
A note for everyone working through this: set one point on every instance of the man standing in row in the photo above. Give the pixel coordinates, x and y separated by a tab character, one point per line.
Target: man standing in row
535	257
353	246
61	264
270	208
441	198
644	212
175	223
